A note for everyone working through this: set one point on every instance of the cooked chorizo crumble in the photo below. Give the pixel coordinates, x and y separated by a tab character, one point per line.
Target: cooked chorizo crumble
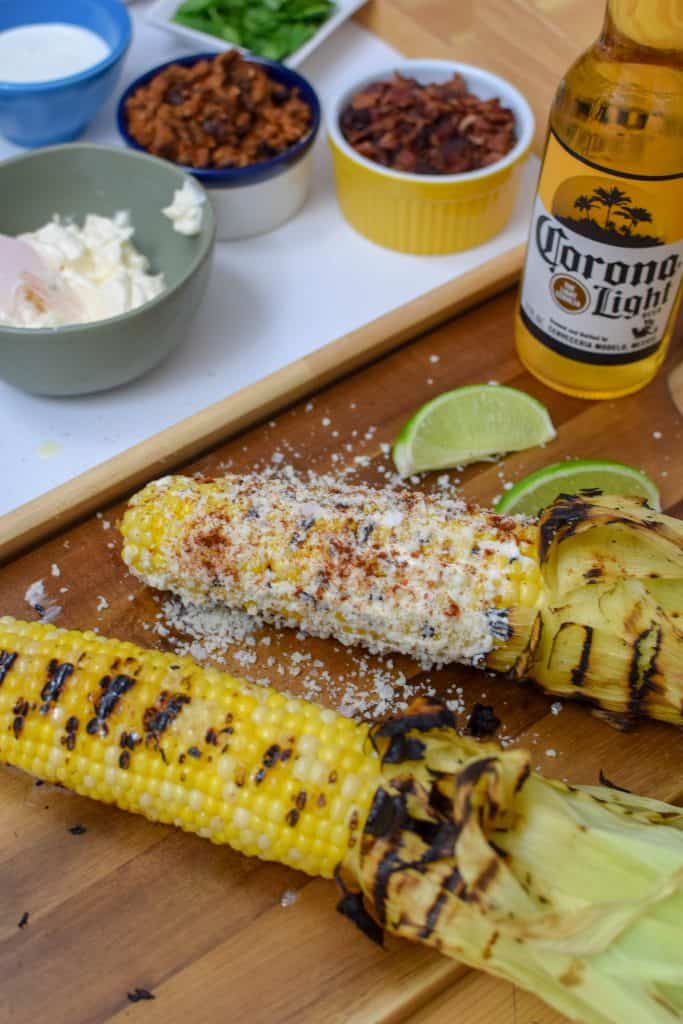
224	112
440	128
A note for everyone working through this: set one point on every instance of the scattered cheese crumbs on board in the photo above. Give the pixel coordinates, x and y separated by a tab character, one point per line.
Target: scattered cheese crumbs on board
657	434
550	752
215	627
288	898
35	593
55	570
556	707
36	597
434	359
102	603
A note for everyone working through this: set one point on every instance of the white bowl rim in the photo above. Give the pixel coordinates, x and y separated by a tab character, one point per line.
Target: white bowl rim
508	93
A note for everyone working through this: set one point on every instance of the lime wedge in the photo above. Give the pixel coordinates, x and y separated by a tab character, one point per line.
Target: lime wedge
540	489
469	424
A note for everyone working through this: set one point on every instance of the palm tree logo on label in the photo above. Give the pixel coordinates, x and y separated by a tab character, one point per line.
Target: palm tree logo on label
595	208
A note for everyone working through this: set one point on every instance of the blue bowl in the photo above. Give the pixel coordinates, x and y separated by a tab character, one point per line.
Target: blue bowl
43	113
235	177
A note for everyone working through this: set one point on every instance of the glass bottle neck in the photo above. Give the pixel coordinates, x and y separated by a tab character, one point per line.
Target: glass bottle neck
644	25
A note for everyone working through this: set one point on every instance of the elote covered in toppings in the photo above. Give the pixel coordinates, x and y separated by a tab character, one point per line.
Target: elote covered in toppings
587	602
575	893
394	570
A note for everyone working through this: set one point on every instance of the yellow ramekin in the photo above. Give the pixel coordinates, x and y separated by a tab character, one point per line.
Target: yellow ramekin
430	214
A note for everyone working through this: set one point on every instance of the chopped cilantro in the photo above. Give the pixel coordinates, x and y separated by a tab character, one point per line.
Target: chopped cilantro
269	28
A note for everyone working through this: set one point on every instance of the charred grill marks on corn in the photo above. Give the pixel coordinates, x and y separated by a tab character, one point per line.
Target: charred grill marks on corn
7	659
57	675
236	763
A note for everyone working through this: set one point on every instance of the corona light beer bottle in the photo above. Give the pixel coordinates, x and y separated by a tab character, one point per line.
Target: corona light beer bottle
602	281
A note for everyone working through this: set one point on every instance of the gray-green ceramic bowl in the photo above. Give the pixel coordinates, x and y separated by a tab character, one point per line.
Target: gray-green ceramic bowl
75	180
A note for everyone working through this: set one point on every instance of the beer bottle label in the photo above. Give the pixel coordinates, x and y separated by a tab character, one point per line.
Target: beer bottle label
604	262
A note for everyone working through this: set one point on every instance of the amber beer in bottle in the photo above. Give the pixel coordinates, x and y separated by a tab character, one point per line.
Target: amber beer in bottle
604	265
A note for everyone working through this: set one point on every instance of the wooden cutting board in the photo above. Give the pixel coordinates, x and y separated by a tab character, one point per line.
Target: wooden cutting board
130	904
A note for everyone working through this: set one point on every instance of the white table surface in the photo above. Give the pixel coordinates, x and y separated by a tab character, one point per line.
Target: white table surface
270	300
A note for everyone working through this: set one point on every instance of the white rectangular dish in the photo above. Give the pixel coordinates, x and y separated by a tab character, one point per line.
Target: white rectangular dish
161	14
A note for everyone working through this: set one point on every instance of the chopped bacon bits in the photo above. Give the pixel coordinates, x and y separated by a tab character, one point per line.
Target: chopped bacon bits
224	112
440	128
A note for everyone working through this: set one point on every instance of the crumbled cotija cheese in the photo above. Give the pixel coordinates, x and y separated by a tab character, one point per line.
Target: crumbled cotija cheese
393	570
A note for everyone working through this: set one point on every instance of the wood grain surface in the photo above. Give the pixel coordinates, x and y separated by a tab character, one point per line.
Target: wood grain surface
131	904
529	42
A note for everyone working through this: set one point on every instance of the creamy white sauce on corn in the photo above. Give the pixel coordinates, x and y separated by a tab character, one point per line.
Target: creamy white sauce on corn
394	570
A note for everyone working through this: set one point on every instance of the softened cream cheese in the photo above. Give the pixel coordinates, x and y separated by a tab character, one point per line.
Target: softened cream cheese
187	209
86	274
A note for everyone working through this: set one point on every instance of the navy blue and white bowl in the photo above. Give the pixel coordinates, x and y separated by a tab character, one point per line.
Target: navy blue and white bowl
59	110
252	200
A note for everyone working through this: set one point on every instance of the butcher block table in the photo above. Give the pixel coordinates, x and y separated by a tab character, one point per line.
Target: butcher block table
128	904
116	904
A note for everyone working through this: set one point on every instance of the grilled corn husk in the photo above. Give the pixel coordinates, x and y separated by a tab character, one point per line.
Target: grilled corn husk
587	602
574	893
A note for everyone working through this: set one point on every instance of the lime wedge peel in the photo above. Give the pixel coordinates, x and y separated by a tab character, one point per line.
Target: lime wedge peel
538	490
470	424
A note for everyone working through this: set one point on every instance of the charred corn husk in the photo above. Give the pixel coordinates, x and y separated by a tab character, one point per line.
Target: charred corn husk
588	602
575	893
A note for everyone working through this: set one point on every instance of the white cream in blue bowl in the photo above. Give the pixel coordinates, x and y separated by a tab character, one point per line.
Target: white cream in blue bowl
60	60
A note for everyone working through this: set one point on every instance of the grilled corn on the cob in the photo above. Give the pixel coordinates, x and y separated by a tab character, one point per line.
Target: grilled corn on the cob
574	893
587	602
156	734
